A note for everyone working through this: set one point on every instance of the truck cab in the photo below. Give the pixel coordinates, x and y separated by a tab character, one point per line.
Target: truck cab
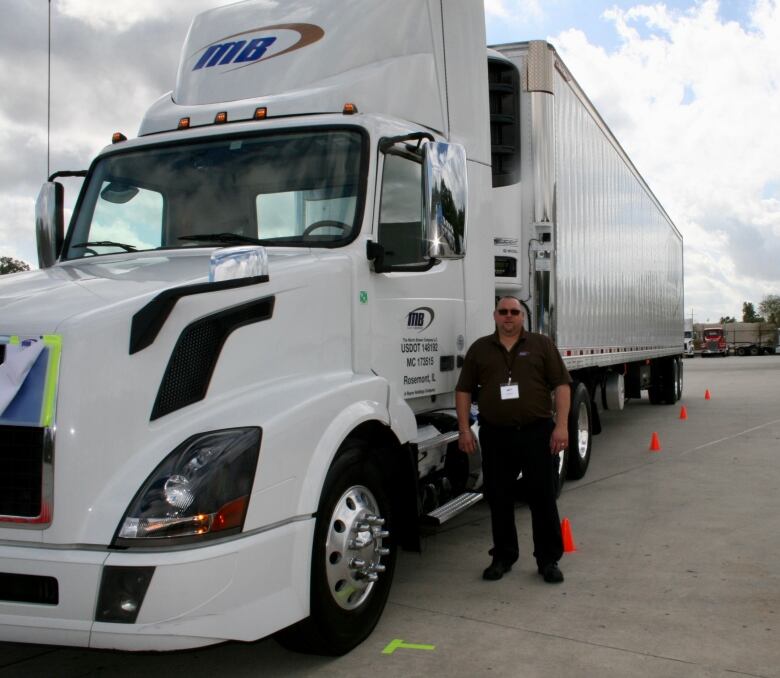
242	351
714	342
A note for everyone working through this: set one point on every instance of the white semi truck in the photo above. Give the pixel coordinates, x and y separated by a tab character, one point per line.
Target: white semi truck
227	394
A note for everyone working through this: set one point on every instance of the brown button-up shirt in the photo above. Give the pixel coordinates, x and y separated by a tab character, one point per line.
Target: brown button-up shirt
533	363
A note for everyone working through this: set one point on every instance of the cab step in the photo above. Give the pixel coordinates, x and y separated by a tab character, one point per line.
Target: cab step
452	508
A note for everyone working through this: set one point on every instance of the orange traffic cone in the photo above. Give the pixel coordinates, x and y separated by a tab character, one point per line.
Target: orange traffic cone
568	540
655	444
683	413
707	395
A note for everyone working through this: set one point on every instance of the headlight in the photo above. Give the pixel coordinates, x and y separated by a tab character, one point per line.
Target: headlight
201	490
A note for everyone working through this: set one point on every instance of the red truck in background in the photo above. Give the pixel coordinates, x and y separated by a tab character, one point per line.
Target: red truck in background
714	342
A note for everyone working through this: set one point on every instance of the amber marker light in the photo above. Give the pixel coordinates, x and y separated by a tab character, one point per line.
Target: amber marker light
350	109
184	123
261	113
220	117
116	137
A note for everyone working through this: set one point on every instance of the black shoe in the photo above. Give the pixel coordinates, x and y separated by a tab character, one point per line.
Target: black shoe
551	573
496	570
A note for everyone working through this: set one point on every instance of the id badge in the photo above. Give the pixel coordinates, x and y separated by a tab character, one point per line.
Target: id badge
509	391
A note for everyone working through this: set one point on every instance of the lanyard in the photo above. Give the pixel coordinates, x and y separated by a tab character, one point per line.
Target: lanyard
509	357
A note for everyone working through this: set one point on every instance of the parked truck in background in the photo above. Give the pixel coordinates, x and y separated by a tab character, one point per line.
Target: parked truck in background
231	383
713	342
751	338
688	339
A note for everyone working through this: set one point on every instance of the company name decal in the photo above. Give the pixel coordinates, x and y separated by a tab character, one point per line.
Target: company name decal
419	319
247	48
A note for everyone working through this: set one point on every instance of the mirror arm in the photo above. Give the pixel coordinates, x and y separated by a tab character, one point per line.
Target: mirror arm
68	173
388	142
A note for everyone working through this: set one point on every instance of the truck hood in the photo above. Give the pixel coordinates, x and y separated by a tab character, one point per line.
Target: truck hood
39	302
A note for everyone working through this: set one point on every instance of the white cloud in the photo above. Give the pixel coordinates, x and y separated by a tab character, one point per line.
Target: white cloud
694	101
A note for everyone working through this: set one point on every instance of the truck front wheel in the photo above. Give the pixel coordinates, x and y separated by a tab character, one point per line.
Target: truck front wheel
353	559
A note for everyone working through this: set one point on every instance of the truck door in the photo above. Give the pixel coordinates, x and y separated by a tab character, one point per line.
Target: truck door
418	317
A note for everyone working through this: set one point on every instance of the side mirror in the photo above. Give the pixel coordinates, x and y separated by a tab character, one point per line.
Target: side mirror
49	229
445	192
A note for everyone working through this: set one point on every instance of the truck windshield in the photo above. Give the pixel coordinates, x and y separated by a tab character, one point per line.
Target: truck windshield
292	188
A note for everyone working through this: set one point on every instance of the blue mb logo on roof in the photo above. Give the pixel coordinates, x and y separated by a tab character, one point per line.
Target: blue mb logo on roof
240	51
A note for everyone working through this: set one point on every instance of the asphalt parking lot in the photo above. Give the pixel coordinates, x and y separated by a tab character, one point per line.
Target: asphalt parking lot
675	571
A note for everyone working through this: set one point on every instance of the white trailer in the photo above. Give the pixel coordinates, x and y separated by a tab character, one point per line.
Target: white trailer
228	393
583	241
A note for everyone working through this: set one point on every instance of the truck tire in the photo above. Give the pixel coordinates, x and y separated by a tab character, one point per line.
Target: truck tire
679	378
580	432
754	350
353	558
664	377
741	350
671	377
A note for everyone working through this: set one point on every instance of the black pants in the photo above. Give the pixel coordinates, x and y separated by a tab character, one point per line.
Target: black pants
505	452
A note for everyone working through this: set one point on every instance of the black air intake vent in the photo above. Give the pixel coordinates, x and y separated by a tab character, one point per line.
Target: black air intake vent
195	355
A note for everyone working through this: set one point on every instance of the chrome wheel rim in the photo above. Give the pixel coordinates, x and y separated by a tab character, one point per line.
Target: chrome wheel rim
353	547
583	434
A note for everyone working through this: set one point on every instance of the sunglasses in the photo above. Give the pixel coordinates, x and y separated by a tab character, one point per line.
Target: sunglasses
512	311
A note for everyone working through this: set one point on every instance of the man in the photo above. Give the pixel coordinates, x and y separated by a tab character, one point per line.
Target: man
513	373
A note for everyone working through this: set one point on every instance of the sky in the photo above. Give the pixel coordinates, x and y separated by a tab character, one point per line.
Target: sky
691	89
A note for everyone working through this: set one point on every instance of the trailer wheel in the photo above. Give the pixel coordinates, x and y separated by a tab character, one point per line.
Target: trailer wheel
754	350
670	376
679	378
353	559
665	385
580	432
741	350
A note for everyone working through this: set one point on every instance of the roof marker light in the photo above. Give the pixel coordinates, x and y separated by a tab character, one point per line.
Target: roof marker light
116	137
184	123
350	109
261	113
220	117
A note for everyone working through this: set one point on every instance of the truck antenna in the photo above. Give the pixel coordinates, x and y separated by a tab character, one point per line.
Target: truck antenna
48	102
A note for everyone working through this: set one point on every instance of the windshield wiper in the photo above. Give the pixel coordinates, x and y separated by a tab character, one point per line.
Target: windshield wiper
224	237
106	243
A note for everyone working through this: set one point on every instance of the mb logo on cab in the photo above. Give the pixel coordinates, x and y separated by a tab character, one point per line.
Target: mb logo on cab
251	49
419	319
234	52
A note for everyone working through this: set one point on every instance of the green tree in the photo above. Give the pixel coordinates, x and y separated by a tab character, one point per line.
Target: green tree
727	319
770	307
749	314
11	265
